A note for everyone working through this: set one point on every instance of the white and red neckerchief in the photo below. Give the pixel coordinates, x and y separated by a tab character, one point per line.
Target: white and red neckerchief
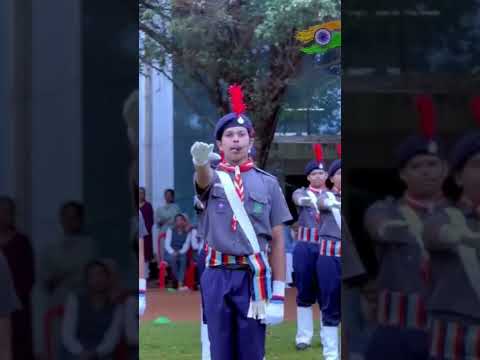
429	206
317	191
239	188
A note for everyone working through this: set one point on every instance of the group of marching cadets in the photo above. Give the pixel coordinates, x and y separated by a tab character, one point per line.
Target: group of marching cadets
428	243
316	256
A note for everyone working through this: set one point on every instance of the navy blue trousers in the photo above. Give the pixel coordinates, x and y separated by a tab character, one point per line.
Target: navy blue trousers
329	274
226	300
305	257
394	343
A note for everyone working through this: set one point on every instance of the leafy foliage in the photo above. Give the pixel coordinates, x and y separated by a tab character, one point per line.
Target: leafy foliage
220	42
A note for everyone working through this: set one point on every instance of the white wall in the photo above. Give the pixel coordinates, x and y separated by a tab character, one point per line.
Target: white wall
56	113
156	136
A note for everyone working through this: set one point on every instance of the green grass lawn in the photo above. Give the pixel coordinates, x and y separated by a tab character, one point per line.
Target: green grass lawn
182	341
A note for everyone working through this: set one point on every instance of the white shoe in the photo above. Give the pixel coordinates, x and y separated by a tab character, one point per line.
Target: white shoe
304	325
329	336
205	341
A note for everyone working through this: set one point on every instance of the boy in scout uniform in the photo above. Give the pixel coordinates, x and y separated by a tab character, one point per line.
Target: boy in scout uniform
305	254
396	226
453	238
243	286
328	265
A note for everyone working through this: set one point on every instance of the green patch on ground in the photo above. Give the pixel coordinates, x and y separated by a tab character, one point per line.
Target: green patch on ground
181	341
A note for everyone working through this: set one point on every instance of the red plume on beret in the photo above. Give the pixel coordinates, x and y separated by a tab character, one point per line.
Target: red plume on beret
426	111
339	150
475	106
317	149
236	99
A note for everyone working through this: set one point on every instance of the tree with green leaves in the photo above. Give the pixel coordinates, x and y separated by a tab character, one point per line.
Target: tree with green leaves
221	42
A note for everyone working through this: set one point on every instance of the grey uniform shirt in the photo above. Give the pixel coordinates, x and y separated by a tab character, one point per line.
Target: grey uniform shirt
453	296
306	214
329	228
8	300
400	256
264	203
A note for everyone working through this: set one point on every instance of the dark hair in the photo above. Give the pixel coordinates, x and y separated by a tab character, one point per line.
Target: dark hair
180	215
171	191
141	188
9	202
79	208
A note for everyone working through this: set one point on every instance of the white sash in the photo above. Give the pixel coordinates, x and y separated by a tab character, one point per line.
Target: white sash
239	210
335	210
468	255
314	200
415	225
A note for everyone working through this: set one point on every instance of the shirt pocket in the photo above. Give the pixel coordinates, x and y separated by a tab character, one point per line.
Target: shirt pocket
258	209
219	200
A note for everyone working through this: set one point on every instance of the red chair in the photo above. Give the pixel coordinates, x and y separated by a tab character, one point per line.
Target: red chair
162	274
53	314
189	279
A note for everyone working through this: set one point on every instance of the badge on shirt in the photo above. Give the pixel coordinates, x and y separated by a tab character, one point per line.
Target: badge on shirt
257	208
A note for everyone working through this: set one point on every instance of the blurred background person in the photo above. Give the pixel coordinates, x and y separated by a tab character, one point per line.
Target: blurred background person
92	323
177	244
147	212
164	218
61	271
18	253
9	303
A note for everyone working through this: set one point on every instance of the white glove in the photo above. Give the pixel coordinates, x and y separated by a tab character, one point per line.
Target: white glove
275	309
306	201
391	225
451	235
331	203
142	300
213	156
201	153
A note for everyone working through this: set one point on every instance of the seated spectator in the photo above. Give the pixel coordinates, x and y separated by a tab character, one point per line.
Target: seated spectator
18	252
177	244
92	323
9	303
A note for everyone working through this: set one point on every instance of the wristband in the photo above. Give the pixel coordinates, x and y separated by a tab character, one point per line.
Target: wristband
278	289
142	286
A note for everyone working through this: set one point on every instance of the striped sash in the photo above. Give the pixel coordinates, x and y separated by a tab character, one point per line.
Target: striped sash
451	340
307	234
330	248
258	264
402	310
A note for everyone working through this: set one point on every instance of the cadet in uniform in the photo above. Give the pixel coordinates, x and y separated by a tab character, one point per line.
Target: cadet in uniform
328	265
396	227
142	282
453	238
305	254
9	303
243	286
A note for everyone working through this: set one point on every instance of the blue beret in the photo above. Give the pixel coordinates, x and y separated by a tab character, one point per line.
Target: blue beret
464	149
418	145
231	120
334	166
314	165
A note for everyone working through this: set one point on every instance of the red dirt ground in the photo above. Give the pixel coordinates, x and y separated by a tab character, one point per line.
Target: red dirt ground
185	306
